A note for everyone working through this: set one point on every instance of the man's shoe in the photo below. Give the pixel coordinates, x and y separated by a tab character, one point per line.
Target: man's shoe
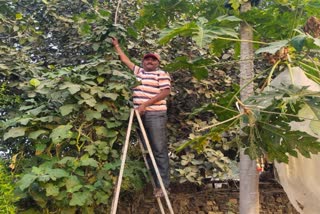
158	192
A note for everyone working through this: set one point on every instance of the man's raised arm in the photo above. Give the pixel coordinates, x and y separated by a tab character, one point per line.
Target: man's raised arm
122	55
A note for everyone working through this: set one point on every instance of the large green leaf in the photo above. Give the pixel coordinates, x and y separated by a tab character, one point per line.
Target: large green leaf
286	124
311	111
86	161
287	142
60	133
36	111
112	124
203	36
198	66
67	109
52	190
101	131
34	135
73	88
65	160
34	82
273	47
112	96
15	132
26	181
303	40
91	114
79	198
88	99
201	32
298	42
185	29
228	18
73	184
57	173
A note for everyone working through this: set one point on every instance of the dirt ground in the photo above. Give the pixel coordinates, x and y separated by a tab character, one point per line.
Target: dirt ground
191	199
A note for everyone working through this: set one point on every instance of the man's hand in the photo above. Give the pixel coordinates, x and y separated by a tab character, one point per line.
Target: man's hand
122	55
115	41
141	109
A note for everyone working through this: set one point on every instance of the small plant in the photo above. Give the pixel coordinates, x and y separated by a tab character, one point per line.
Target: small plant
7	197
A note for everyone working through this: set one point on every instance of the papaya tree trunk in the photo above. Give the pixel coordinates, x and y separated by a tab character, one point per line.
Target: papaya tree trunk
249	179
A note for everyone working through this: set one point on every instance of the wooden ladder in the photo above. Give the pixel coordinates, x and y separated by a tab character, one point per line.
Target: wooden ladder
115	199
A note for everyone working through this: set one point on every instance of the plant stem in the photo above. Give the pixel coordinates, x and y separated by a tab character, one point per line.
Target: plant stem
116	14
225	121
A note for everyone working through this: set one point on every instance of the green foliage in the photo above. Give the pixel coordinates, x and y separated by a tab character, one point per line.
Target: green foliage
276	20
273	47
206	154
132	176
68	99
300	43
268	22
159	13
7	99
66	131
63	119
196	167
272	130
198	67
202	31
7	198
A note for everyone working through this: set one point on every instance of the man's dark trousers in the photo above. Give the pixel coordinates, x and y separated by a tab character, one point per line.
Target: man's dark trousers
155	126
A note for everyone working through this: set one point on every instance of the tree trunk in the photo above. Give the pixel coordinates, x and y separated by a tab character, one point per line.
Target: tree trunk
249	177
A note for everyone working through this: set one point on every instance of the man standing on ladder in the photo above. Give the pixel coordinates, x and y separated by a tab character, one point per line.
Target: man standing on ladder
149	99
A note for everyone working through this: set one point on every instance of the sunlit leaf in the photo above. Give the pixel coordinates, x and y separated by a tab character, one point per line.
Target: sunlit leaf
18	16
168	34
57	173
34	135
26	181
52	190
73	184
79	198
101	131
273	47
67	109
112	96
60	133
73	88
86	161
15	132
100	79
34	82
91	114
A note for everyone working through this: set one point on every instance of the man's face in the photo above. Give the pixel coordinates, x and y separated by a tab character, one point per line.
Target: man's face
150	64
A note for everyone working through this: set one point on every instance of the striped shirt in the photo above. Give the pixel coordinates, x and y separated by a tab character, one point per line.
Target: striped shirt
152	82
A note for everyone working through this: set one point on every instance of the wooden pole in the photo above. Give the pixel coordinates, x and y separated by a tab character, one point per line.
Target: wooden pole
152	179
154	162
123	160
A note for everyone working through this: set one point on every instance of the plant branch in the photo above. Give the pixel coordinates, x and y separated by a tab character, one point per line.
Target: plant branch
241	40
244	86
279	113
217	124
116	14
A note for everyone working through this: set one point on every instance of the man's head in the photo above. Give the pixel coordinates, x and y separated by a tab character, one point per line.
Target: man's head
151	61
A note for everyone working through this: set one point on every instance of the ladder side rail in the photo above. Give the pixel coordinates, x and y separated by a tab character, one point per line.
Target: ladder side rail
115	200
148	168
154	161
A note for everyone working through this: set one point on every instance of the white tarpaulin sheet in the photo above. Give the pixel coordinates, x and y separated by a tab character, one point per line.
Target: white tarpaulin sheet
300	178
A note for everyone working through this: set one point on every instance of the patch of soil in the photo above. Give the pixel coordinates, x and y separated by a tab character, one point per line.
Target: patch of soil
191	199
